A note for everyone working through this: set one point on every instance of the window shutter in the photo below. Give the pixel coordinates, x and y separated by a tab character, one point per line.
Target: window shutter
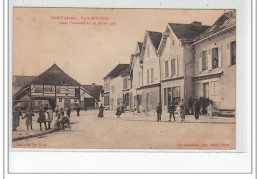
229	53
219	57
210	59
176	66
200	64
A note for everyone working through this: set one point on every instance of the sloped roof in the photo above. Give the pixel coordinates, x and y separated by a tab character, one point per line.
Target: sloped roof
228	19
117	70
155	38
187	31
95	90
126	72
19	81
54	76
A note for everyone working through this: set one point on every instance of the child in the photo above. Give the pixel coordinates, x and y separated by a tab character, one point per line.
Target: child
28	115
49	117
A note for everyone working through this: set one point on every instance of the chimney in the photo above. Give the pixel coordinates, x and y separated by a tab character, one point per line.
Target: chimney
196	23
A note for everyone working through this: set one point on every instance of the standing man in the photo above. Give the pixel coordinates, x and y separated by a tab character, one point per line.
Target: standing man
78	110
68	112
196	107
172	108
41	118
159	112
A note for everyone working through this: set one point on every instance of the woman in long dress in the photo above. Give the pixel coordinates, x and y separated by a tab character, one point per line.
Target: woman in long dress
182	110
118	111
101	111
16	118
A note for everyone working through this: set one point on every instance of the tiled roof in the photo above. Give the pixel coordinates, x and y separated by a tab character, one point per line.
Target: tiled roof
95	90
228	19
126	72
187	31
54	76
117	70
155	38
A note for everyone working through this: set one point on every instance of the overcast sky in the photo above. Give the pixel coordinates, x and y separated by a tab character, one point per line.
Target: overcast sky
88	52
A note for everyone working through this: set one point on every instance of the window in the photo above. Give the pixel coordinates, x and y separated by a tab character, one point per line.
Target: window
214	58
206	90
173	67
204	61
140	79
124	83
165	96
152	76
75	100
38	89
148	77
106	85
60	99
233	52
77	92
172	42
176	94
166	70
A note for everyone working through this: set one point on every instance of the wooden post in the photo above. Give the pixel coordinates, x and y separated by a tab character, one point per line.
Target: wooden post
55	100
43	90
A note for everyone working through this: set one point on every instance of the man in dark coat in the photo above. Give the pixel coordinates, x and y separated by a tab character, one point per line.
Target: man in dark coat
196	107
41	119
159	112
171	110
78	110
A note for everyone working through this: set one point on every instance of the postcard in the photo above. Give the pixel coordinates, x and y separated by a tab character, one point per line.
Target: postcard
93	78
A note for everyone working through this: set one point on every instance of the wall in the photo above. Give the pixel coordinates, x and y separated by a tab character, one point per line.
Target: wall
227	82
117	94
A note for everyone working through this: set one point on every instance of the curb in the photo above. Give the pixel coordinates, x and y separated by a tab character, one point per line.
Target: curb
36	135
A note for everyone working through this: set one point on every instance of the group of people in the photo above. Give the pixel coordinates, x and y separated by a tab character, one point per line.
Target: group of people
46	116
172	109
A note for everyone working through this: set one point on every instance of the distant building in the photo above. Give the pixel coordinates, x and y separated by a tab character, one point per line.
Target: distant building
56	88
113	85
95	91
176	61
136	77
215	62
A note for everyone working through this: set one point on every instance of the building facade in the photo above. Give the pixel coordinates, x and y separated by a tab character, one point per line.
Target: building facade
53	87
150	64
176	61
215	63
113	86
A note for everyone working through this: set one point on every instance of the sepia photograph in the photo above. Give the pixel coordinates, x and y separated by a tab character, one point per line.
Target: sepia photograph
93	78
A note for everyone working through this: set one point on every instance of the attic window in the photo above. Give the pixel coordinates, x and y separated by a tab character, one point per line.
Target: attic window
172	42
64	82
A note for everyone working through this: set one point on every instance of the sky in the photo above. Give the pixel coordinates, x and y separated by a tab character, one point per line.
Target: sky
87	51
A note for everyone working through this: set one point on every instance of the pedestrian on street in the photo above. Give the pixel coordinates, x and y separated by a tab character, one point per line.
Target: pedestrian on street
122	109
159	112
182	110
171	110
101	111
16	117
49	117
78	110
28	115
196	107
57	111
118	111
68	112
42	119
209	110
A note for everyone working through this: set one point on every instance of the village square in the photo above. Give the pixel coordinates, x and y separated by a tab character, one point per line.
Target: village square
178	91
